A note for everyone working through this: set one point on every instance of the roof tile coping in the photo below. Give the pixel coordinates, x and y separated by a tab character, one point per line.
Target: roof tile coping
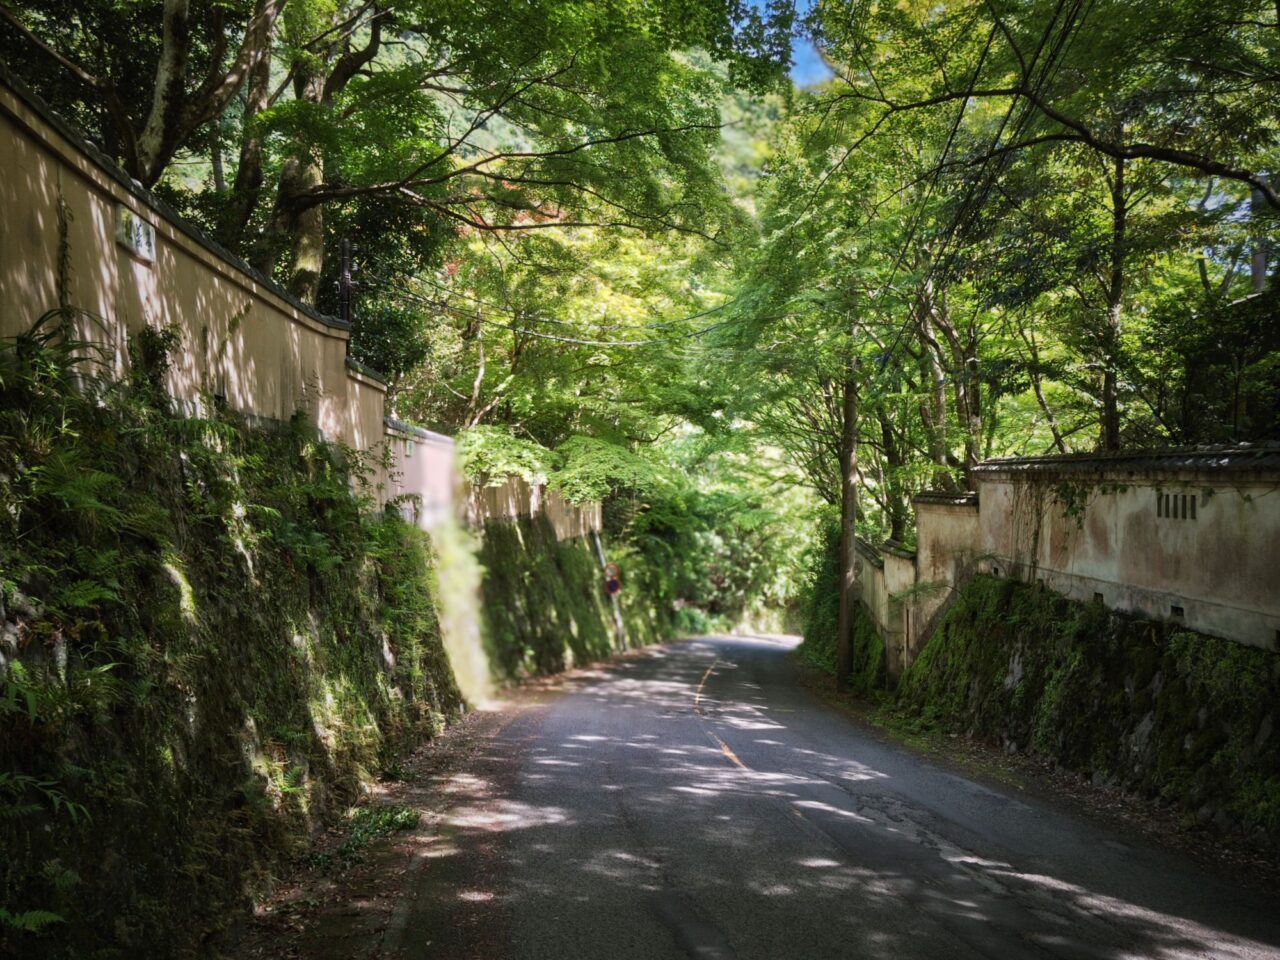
1242	459
139	192
896	549
419	433
967	499
365	370
869	552
876	552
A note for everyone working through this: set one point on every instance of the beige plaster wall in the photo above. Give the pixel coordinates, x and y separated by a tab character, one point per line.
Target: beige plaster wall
946	540
1208	558
946	556
572	520
900	618
424	476
518	498
237	336
875	595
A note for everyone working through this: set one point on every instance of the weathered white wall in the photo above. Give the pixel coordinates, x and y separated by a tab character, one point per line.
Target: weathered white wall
1103	537
1192	538
903	590
875	596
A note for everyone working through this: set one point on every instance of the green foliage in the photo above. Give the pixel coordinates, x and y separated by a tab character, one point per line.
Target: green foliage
726	549
1214	375
207	642
491	454
1178	716
594	468
29	921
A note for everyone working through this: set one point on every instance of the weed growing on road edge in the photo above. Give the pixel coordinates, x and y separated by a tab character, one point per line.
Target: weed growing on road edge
366	824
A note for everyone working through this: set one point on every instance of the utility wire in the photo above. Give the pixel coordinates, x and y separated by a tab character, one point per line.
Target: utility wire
405	295
660	325
963	215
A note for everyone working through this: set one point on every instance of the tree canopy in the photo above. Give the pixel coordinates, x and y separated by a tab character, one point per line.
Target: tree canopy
617	251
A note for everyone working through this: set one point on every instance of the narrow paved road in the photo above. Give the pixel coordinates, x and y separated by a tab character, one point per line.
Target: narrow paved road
695	801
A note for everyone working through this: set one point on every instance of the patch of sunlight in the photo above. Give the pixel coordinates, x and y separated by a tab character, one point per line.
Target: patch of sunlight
506	815
186	596
250	743
772	889
475	896
861	774
743	723
820	807
239	531
818	863
964	858
457	593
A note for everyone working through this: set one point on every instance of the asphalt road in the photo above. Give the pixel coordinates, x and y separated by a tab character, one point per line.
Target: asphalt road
696	801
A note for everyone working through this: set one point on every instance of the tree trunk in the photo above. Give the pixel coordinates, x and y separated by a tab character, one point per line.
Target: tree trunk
933	412
895	496
246	189
1258	253
1115	301
215	157
298	224
317	80
163	129
307	262
1030	340
966	386
850	592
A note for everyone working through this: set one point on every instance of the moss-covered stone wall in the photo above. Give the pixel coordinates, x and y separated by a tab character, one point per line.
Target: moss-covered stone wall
208	642
1182	717
544	602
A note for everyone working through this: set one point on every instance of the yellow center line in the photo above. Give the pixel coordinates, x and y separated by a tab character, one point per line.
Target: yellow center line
697	701
697	697
728	752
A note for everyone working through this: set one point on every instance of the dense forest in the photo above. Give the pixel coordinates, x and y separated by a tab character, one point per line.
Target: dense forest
615	247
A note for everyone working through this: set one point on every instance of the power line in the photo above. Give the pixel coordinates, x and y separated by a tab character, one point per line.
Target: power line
499	308
963	215
405	295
